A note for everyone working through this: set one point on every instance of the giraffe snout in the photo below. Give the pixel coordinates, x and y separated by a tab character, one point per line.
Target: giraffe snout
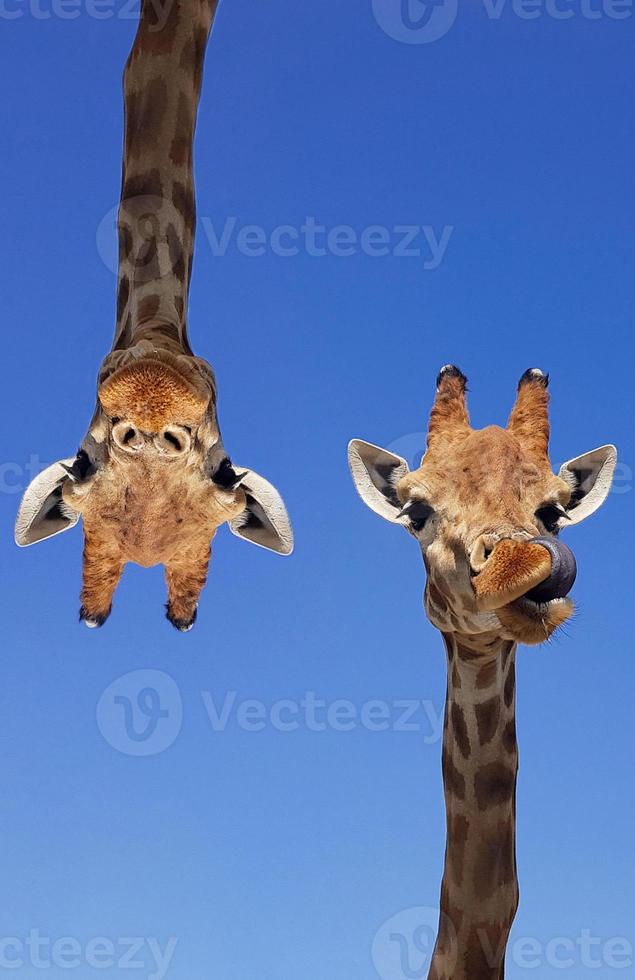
511	570
480	551
173	440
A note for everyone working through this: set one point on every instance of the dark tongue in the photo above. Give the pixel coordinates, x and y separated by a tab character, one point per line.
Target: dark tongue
563	571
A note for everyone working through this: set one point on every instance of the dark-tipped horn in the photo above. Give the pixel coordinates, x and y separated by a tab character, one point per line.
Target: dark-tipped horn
534	374
449	417
529	420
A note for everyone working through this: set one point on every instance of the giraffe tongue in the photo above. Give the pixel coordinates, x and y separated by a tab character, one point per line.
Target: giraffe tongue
563	572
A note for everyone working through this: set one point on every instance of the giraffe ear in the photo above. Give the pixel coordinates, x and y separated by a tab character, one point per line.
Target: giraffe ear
376	473
264	521
590	477
43	512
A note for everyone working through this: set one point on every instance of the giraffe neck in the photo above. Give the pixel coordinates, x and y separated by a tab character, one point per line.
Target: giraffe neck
479	893
157	213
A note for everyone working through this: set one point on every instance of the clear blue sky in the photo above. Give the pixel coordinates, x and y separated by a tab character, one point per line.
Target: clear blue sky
278	855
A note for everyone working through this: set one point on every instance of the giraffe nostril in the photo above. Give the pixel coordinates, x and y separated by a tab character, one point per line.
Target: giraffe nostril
127	437
174	440
480	552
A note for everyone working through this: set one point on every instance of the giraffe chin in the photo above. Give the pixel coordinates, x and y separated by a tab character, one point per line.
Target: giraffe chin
532	623
151	394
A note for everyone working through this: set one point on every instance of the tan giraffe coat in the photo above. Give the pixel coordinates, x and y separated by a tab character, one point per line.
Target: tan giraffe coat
486	510
152	480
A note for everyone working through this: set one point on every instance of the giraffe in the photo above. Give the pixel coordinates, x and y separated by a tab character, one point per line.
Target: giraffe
151	479
486	509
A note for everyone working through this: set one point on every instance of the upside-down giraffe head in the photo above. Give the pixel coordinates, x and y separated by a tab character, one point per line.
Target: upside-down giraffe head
152	483
151	480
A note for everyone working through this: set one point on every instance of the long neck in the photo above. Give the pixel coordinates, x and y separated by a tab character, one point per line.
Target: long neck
479	894
157	214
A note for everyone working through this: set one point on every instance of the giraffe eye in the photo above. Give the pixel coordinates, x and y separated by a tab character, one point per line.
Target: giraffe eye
418	513
550	516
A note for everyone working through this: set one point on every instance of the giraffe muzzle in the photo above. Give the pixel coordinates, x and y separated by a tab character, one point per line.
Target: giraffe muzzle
540	570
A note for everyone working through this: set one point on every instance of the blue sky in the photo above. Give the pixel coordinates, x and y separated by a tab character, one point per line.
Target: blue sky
283	854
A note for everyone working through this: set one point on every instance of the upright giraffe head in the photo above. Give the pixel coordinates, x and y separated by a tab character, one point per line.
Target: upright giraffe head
487	510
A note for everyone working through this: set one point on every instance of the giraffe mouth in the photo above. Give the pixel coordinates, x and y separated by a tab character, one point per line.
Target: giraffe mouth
532	622
525	583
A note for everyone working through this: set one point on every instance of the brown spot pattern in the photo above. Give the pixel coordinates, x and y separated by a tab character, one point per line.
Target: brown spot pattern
485	880
485	949
175	248
460	733
180	151
510	685
123	295
486	676
148	184
437	597
125	242
475	960
509	736
487	718
146	118
158	28
147	266
183	200
454	781
458	828
148	308
494	785
494	866
185	118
